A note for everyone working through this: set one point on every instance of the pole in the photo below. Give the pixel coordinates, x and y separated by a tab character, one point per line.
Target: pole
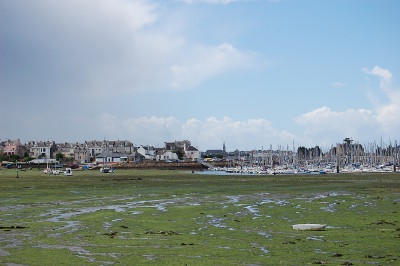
16	165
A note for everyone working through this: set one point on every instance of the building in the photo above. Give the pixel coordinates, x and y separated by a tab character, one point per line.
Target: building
94	147
81	154
191	153
176	145
111	158
149	152
66	149
135	157
119	146
13	147
42	149
214	153
167	156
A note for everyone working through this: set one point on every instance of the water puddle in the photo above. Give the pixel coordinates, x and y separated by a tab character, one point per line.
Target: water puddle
218	222
315	238
150	257
262	233
264	250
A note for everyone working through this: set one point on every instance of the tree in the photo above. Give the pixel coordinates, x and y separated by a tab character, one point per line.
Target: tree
4	157
179	153
27	159
14	157
60	156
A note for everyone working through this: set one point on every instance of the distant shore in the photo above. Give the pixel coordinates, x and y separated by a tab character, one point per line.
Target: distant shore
131	165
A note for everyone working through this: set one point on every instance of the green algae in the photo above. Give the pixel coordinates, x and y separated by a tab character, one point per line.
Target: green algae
176	218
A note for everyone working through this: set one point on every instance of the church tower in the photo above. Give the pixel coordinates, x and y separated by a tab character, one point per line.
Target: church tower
223	147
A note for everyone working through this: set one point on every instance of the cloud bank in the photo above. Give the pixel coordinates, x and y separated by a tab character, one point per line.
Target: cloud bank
101	46
210	1
383	121
209	133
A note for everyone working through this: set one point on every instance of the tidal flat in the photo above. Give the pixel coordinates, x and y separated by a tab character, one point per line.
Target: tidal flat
136	217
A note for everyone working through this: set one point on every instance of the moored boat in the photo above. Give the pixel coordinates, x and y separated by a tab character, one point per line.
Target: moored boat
304	227
68	172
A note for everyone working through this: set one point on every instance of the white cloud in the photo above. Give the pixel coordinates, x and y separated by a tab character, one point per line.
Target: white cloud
205	62
97	46
385	77
323	125
382	73
209	133
210	1
338	84
221	1
250	134
388	113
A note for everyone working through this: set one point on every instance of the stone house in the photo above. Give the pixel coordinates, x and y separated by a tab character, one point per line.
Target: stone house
119	146
191	153
149	152
136	157
81	154
94	147
13	147
176	145
66	149
42	149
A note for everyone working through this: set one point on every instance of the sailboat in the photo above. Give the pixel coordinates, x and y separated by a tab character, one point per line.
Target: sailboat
105	169
48	171
55	171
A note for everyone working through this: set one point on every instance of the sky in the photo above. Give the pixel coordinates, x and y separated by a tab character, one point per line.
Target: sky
250	73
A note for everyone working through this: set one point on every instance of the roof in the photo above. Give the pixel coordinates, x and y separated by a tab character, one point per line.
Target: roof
215	152
191	148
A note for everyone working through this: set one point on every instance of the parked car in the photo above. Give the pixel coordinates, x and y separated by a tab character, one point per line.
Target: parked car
74	166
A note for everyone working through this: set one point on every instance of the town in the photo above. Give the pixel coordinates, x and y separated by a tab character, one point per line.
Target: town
348	156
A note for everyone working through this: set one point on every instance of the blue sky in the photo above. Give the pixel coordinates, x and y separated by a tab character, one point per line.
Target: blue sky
249	73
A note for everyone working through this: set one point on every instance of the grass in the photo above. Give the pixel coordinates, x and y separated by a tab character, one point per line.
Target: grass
177	218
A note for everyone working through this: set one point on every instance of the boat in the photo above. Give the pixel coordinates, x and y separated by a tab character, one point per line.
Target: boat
55	172
105	170
48	171
304	227
317	172
68	172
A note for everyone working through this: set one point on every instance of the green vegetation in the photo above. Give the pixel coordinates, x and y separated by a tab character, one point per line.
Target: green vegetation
179	153
60	157
177	218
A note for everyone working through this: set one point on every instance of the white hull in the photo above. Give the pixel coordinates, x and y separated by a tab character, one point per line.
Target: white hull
68	172
303	227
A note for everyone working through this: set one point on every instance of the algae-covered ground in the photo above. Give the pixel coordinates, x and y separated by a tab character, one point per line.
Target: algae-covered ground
177	218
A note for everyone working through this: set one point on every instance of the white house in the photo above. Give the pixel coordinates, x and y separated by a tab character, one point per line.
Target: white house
42	150
112	158
191	153
167	156
149	152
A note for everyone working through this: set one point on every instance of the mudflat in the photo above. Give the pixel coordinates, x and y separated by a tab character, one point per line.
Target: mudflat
135	217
